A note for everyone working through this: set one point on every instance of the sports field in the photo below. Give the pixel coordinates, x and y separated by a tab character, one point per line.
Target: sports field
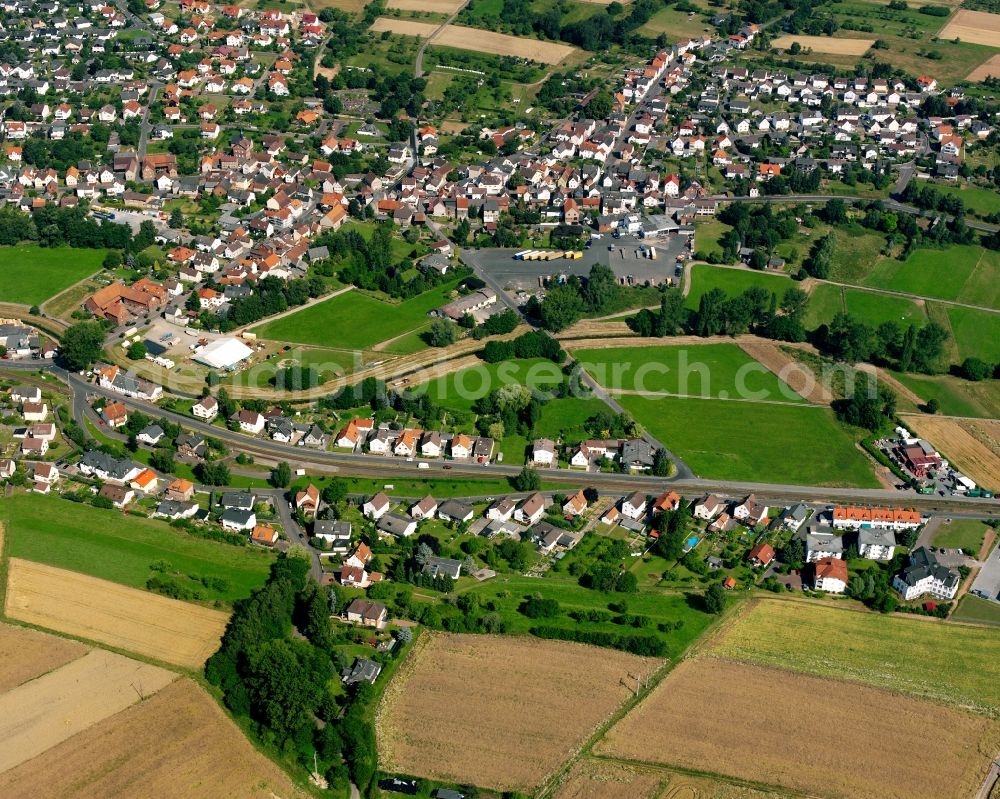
30	274
813	735
824	44
499	712
114	547
934	660
705	277
709	370
354	320
961	273
755	441
125	618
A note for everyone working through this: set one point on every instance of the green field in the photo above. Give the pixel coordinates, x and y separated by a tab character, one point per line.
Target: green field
328	363
827	300
965	274
354	320
460	390
973	608
709	370
704	278
760	442
949	663
510	591
978	200
112	546
957	397
967	534
976	333
30	274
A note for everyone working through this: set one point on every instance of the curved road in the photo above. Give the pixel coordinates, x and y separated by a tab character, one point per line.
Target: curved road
321	462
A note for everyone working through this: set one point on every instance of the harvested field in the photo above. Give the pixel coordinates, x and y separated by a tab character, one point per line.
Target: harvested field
988	69
825	44
148	624
977	27
973	445
801	380
762	724
177	743
433	6
931	660
46	711
478	40
595	779
26	654
602	779
499	712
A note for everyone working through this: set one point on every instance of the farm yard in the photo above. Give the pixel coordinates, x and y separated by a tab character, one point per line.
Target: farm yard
932	660
30	274
432	720
125	618
113	547
972	445
711	437
43	712
825	44
142	750
688	721
479	41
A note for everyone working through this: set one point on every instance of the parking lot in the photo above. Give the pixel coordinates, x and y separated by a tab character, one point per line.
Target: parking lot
987	582
624	255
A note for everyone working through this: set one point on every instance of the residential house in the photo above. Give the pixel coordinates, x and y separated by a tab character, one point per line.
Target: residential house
376	507
830	575
425	508
531	509
876	544
206	408
367	613
335	534
394	524
751	512
761	555
708	508
543	452
924	575
237	521
575	504
634	506
264	535
821	545
451	510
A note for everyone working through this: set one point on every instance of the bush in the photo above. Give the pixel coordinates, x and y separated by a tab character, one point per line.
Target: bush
637	644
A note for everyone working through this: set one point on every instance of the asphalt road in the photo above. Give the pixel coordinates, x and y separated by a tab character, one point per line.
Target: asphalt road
323	462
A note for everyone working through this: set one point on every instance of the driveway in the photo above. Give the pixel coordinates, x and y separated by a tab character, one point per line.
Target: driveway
987	582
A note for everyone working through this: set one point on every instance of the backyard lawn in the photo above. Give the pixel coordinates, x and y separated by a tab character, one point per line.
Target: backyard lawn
30	274
354	320
753	441
116	547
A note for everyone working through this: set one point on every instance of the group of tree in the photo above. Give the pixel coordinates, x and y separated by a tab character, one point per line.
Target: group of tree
278	682
565	303
871	410
533	344
53	226
912	349
268	297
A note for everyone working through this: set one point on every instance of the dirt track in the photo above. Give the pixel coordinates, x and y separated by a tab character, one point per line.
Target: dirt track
800	380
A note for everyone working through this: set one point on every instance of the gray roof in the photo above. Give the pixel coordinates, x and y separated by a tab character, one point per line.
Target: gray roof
923	564
242	500
363	670
443	566
876	537
824	542
100	461
171	508
454	509
638	451
395	524
237	516
332	528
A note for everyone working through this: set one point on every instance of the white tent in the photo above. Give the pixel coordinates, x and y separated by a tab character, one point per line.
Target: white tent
223	353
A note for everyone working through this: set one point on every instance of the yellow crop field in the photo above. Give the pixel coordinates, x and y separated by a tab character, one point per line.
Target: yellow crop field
976	27
41	713
126	618
824	44
25	654
818	736
177	743
499	712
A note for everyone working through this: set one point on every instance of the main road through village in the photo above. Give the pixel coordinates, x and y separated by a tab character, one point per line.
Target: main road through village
361	465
